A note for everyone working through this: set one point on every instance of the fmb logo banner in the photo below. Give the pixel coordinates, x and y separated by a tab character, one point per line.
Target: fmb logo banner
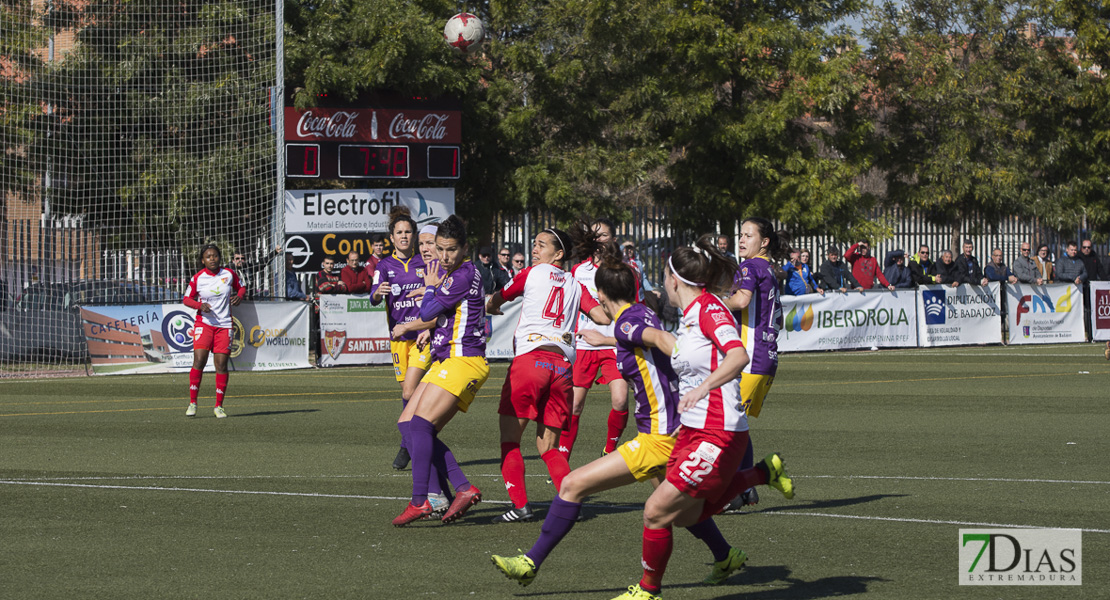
1021	557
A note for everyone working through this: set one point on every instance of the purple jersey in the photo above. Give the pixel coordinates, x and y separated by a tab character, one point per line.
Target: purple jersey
404	276
461	324
647	370
761	321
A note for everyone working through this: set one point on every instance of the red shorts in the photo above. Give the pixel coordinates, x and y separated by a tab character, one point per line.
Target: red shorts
216	339
704	461
538	388
588	362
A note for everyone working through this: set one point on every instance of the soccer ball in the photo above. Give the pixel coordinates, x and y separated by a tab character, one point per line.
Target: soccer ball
464	32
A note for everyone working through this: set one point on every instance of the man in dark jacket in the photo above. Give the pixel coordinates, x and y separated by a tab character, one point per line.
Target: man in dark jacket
945	272
493	276
997	270
922	267
1090	261
970	271
835	274
896	271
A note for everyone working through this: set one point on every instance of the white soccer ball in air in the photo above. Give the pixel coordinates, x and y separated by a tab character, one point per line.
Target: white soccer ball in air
464	32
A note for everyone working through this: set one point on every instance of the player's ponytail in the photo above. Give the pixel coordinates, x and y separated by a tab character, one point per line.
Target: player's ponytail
703	265
616	279
401	214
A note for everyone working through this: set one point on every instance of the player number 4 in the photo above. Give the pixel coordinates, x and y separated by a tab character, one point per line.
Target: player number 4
553	308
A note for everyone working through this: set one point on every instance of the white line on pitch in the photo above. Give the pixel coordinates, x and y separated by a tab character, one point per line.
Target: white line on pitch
912	478
792	513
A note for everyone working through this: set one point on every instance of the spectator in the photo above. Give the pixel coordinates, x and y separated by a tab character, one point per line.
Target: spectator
1025	266
355	276
1070	269
1090	261
834	274
996	270
799	279
239	265
328	280
518	263
922	267
804	258
968	266
504	260
1045	269
945	270
293	289
722	245
864	266
896	271
377	253
644	292
493	276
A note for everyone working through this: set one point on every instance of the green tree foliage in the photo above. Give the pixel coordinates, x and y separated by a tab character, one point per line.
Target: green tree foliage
161	124
951	80
21	33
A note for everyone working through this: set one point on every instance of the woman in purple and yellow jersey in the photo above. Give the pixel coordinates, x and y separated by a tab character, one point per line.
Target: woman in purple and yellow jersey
755	304
637	337
395	278
455	306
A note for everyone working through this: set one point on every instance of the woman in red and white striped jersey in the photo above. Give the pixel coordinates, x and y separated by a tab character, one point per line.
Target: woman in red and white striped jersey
212	292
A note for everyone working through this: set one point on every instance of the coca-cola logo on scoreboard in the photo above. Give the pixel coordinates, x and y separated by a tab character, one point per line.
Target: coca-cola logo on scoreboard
342	125
374	125
430	127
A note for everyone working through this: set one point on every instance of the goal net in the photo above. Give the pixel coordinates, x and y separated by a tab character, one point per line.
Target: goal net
131	134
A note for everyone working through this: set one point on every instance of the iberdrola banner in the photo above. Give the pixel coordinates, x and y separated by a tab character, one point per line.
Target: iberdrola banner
867	319
1045	314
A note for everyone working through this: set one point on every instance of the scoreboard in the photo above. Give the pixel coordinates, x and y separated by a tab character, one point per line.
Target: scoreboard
372	143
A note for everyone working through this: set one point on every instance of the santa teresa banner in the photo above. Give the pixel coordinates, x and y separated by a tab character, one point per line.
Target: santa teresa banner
848	320
958	316
158	338
1045	314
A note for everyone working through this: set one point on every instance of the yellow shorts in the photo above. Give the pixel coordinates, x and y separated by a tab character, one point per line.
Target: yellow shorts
406	355
646	455
463	376
753	389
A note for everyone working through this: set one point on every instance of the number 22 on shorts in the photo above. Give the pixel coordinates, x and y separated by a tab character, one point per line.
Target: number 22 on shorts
700	463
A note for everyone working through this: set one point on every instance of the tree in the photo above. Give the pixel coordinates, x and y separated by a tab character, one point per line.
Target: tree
952	84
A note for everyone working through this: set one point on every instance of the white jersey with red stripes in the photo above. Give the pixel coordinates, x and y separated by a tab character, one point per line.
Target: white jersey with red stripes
586	272
707	331
552	300
215	289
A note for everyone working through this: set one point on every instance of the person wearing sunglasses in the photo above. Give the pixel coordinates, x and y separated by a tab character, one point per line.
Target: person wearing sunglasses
1025	267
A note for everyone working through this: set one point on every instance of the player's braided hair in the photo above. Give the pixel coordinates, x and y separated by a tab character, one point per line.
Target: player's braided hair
703	265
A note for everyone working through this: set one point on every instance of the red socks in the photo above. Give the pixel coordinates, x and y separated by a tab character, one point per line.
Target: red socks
557	466
567	438
512	471
221	386
658	544
194	384
618	419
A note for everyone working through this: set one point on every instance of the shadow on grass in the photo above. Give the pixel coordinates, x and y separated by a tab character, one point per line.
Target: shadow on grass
268	413
832	503
760	583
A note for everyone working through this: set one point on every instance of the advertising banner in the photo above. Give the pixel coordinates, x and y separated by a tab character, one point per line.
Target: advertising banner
838	320
158	338
352	331
333	211
384	125
961	315
1045	314
1100	310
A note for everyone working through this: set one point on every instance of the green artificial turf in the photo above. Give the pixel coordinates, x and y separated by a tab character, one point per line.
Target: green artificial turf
108	491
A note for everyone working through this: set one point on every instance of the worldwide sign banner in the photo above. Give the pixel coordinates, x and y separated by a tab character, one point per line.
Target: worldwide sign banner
868	319
959	316
1045	314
